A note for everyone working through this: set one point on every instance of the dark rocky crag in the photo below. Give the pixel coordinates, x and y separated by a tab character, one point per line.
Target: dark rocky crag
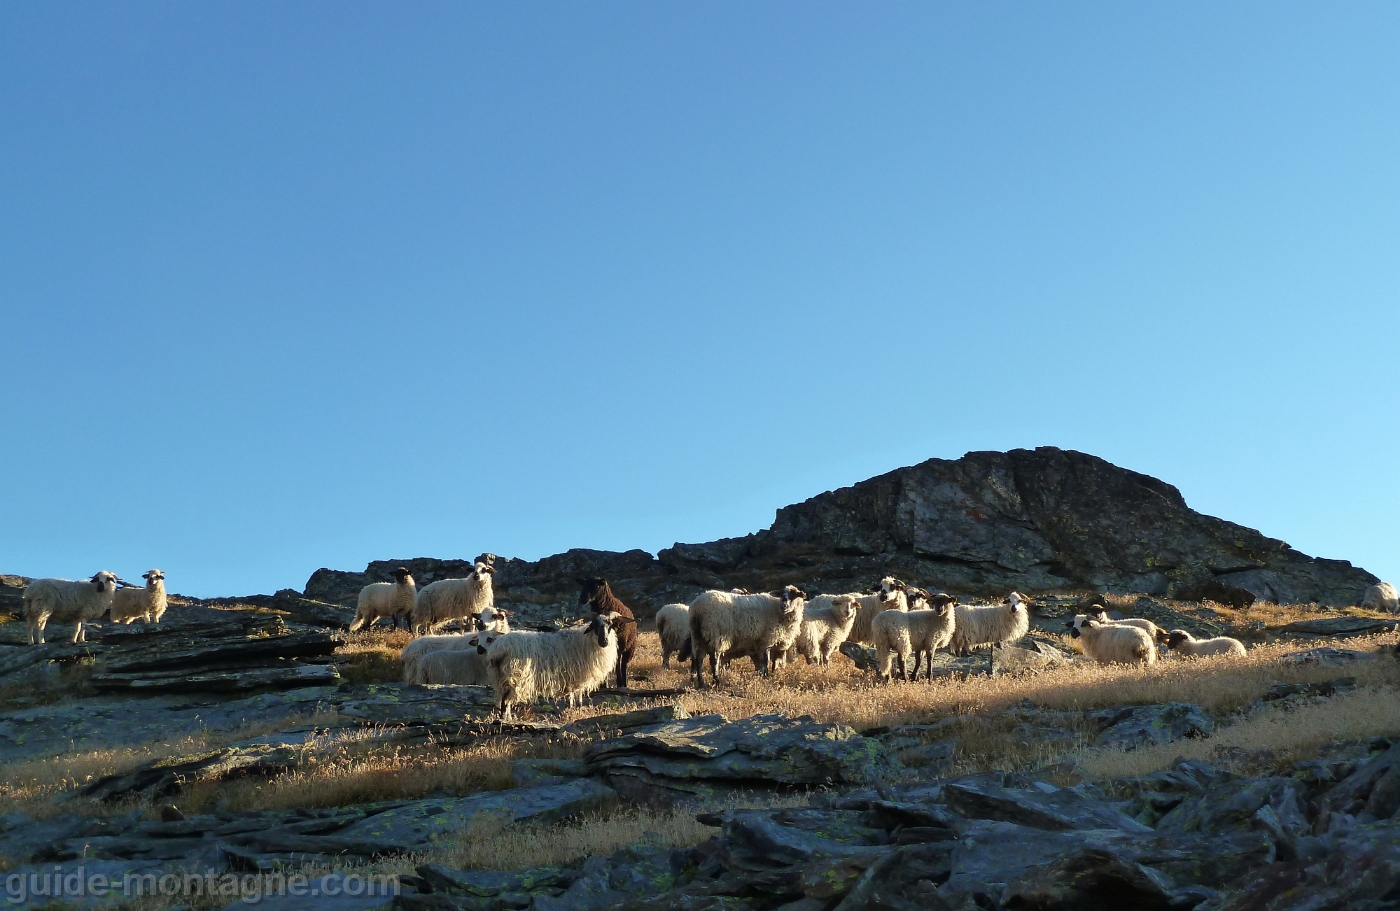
1033	520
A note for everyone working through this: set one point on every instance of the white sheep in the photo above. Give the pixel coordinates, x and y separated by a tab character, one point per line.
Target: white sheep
996	624
920	631
1382	597
574	662
1183	643
672	626
386	599
459	664
453	599
1107	643
763	626
76	602
890	594
146	603
1147	626
492	620
825	627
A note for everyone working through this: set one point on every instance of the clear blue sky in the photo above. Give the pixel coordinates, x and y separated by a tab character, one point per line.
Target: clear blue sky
296	285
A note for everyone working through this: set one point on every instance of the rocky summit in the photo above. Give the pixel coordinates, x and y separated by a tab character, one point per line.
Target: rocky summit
1031	520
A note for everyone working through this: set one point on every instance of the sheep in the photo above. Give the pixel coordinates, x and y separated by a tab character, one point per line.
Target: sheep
59	599
1382	597
915	632
492	620
453	599
824	628
459	663
922	600
1107	643
523	667
386	599
1183	643
890	594
1154	631
762	626
994	625
598	596
146	603
672	626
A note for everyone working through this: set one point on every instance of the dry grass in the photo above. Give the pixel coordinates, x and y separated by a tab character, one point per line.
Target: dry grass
45	787
345	775
1288	732
372	656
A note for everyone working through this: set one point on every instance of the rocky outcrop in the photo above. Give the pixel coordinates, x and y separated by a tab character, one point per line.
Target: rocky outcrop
1033	520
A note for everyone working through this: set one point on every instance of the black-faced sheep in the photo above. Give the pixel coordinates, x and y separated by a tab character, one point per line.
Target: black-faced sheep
911	635
673	628
1382	597
574	662
1183	643
446	600
600	599
68	602
762	626
997	624
1111	644
146	603
889	594
386	599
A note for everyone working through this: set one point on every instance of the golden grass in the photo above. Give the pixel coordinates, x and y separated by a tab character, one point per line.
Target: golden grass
348	776
1288	731
372	656
45	787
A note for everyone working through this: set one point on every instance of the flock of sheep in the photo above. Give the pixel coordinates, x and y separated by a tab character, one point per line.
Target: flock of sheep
104	596
905	625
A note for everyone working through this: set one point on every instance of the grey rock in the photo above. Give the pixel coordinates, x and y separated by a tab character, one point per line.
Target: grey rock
332	892
987	523
761	751
1276	806
1150	725
1328	657
415	824
1339	627
1094	879
1045	807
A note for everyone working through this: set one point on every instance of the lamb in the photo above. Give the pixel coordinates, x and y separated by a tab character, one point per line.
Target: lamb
141	603
1183	643
1107	643
993	625
1101	615
456	664
60	599
763	626
825	627
915	632
673	627
922	600
453	599
890	594
598	596
523	667
386	599
492	620
1382	597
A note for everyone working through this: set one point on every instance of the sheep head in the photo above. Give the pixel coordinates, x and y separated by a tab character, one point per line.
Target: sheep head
942	601
153	576
844	606
402	576
107	581
890	587
591	590
1177	637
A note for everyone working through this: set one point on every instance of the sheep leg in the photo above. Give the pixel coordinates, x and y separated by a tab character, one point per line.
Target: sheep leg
621	672
666	659
78	635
